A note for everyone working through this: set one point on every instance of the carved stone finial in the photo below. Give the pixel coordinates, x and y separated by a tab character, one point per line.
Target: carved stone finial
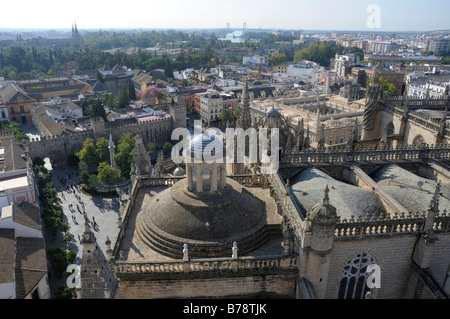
185	252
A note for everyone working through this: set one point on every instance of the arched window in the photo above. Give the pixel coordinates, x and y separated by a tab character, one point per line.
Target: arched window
418	141
354	275
206	180
389	128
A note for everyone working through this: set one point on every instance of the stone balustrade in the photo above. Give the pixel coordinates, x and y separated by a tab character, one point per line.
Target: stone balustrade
335	156
397	224
206	265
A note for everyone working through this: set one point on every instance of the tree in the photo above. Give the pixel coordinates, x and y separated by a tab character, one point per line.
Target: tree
102	148
64	292
124	155
226	115
131	92
59	259
88	153
98	109
277	58
237	111
19	134
151	147
106	174
319	52
168	70
388	88
167	147
124	99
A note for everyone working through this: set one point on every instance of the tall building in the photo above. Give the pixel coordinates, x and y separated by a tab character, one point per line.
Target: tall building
439	46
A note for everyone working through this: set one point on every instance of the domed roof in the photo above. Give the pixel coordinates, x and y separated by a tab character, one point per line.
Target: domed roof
178	171
205	144
208	224
273	112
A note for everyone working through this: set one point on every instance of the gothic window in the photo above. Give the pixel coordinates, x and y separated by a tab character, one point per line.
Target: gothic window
418	141
354	275
389	129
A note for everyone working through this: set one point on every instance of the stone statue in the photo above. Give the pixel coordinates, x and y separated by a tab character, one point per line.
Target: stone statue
235	251
185	253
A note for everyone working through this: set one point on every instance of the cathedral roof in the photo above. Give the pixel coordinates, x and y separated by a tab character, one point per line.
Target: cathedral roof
412	191
348	199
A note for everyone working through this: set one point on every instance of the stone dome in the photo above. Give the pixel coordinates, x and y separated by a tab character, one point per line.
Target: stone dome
205	144
208	224
178	171
273	112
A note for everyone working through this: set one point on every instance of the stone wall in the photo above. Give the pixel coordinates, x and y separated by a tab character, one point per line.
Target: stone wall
60	148
264	286
393	255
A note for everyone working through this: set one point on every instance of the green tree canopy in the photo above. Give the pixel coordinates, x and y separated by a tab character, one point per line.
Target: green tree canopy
64	292
19	134
226	115
168	70
131	92
102	149
151	147
388	88
124	155
277	59
106	174
59	259
319	52
88	153
167	147
124	98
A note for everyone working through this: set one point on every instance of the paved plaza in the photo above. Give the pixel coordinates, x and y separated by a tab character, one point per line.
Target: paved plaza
104	211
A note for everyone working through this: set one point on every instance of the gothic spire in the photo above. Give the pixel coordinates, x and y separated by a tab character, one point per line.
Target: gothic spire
245	120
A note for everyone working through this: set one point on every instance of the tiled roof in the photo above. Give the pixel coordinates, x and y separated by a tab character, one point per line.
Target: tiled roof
14	156
31	264
9	92
7	248
27	214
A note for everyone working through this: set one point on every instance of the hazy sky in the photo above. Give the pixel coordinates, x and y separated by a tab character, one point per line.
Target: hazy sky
395	15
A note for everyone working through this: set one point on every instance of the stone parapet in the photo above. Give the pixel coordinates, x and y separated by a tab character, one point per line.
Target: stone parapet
398	224
206	268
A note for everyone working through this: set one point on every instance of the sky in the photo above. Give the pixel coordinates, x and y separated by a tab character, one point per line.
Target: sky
350	15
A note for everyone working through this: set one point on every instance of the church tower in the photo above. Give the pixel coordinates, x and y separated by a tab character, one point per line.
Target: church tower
371	108
245	120
96	277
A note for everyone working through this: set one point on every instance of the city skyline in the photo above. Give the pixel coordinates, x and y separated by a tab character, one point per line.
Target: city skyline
320	15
